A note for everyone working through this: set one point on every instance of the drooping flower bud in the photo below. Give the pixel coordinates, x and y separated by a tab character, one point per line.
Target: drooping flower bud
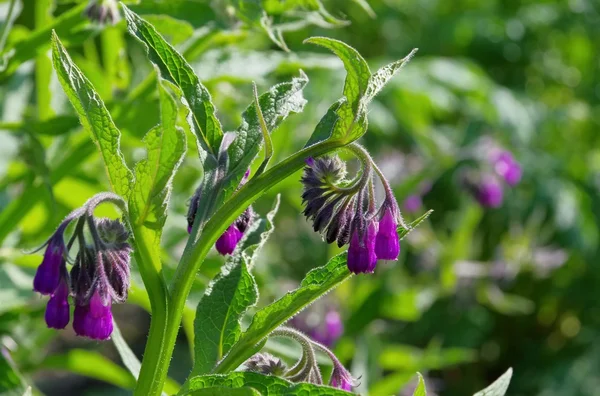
94	318
265	363
489	192
228	241
57	311
387	245
47	276
361	252
341	378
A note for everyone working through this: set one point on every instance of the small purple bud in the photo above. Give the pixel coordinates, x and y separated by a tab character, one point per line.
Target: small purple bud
310	161
509	169
93	320
489	192
413	203
361	252
341	378
47	276
228	241
387	245
57	310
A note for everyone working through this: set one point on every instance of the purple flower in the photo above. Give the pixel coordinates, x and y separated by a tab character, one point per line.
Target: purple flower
48	274
228	241
341	378
509	169
387	245
57	311
413	203
94	319
489	192
330	330
361	252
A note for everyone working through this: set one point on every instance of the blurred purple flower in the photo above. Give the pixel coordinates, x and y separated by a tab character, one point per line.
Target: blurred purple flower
489	192
507	167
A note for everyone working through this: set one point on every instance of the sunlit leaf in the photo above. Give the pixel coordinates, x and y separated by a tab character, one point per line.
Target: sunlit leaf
499	387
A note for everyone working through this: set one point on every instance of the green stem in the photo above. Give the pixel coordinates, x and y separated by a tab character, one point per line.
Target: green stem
157	355
7	24
161	344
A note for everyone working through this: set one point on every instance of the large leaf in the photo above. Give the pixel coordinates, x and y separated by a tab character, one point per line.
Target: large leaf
352	118
326	125
316	283
217	326
266	385
499	387
174	68
382	76
275	105
166	147
94	116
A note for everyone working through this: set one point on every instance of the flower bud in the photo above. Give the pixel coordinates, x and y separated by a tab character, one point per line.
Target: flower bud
57	311
48	274
361	252
489	192
93	319
228	241
387	245
265	363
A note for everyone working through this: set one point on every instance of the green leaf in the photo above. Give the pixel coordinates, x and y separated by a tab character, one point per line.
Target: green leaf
90	364
403	232
221	390
276	104
382	76
316	283
420	390
352	117
266	385
94	116
499	387
166	147
217	327
11	381
175	69
326	125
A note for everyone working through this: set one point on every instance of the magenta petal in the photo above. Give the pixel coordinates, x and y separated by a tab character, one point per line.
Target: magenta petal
47	276
228	241
94	320
57	311
361	253
387	245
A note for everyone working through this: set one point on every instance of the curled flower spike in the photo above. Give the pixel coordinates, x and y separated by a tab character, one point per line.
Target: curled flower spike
344	211
99	277
265	363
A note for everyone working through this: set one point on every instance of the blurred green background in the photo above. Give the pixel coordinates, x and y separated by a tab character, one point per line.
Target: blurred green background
475	291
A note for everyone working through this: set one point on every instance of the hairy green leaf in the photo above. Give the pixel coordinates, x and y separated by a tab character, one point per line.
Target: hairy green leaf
326	125
223	390
166	147
382	76
175	69
352	117
402	232
420	390
94	116
217	326
266	385
316	283
275	105
499	387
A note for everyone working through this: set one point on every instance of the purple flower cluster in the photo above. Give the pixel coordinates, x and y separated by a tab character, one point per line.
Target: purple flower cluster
346	212
99	276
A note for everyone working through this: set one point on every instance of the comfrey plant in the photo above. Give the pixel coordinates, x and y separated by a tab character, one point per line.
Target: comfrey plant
99	275
219	214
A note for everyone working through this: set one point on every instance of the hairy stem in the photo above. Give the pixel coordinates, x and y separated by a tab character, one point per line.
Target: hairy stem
160	344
